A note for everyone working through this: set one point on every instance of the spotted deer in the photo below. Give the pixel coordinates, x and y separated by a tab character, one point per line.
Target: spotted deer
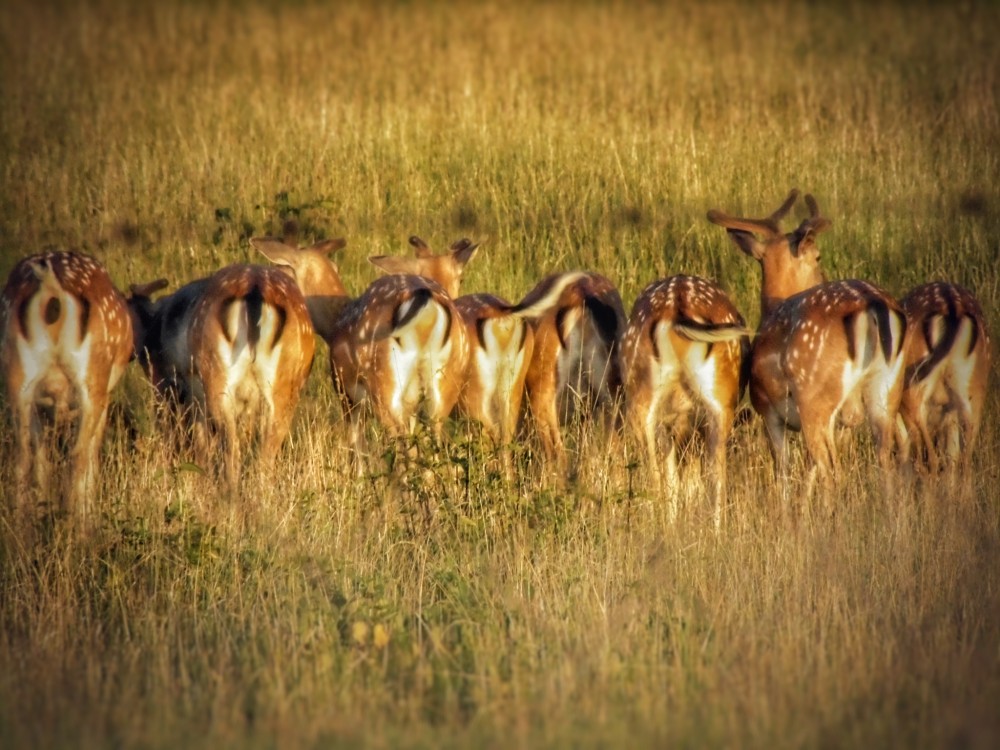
398	349
947	357
67	338
682	353
501	334
824	349
233	350
445	269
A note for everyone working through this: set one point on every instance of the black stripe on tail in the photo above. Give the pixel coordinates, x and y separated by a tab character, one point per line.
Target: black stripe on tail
255	304
974	338
936	353
882	314
418	301
604	317
480	326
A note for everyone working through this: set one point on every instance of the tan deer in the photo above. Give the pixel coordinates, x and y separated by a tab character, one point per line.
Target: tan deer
235	350
682	352
398	349
824	350
500	334
574	368
67	339
445	269
948	356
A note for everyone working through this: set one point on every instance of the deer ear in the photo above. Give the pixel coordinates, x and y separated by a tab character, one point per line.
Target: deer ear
392	264
328	246
274	249
420	248
463	251
746	242
820	225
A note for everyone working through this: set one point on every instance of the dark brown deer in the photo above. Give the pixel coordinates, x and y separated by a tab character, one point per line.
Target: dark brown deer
824	350
948	356
233	350
67	339
682	353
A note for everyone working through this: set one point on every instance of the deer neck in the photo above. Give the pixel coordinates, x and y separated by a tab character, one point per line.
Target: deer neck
776	288
324	310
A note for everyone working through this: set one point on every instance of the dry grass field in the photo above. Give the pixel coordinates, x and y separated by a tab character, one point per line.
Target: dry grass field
442	605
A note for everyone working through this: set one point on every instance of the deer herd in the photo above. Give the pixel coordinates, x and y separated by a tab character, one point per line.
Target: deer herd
229	355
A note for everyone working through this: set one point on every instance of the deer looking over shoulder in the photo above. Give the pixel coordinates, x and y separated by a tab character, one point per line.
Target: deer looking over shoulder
67	338
824	350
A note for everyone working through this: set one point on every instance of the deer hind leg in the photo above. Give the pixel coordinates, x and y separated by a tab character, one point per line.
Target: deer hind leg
85	454
545	412
220	414
279	412
777	441
642	424
720	425
26	434
882	400
821	447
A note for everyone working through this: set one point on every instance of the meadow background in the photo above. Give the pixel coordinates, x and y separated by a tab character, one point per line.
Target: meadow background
455	608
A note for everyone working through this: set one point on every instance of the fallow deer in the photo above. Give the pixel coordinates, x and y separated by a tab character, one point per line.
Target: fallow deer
823	349
574	367
67	339
500	334
445	269
397	349
233	349
163	343
948	357
682	351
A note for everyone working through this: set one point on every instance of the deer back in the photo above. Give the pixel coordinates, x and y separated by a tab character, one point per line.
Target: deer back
948	328
163	341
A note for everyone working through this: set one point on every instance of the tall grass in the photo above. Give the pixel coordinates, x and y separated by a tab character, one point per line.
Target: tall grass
451	607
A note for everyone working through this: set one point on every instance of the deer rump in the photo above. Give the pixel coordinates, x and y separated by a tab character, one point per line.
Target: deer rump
585	366
941	334
249	334
872	335
400	356
51	302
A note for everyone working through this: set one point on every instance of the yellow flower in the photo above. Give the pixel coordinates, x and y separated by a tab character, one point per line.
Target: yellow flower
381	636
359	632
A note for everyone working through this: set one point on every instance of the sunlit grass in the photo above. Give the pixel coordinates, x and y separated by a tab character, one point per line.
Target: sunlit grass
451	607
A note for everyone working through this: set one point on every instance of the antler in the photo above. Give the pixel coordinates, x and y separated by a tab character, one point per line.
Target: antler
463	244
768	226
815	223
